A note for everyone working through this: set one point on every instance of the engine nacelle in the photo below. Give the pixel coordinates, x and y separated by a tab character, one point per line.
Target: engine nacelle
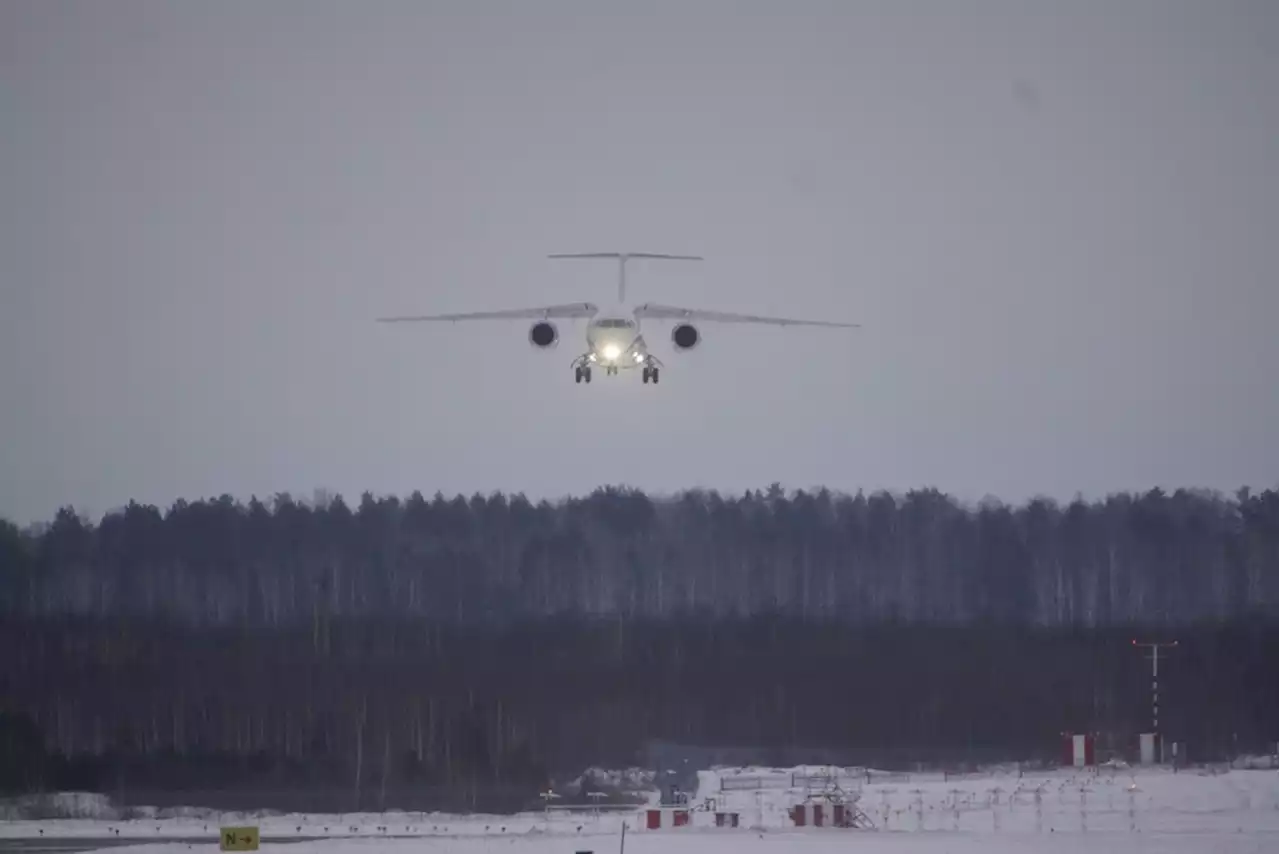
685	336
543	334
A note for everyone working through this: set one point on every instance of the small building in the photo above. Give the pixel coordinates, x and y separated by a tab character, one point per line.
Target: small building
657	818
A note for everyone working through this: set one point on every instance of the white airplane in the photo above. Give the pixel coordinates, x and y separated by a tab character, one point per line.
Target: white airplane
614	342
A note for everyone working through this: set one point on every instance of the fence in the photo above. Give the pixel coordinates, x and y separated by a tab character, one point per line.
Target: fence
672	755
753	783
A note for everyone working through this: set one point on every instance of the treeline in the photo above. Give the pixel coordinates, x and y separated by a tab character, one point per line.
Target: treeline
1155	558
409	714
455	653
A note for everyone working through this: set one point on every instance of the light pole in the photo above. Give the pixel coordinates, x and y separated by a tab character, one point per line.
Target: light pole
1155	648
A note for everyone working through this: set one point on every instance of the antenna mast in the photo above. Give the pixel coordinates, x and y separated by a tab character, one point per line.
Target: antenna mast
623	258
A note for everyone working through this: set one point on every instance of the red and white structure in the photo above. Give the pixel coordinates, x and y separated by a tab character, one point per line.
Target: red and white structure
815	814
1077	749
658	818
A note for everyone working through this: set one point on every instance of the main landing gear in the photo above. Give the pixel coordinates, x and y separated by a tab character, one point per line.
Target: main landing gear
650	372
583	365
582	368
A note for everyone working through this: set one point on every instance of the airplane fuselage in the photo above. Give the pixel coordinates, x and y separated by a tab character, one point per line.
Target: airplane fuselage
614	340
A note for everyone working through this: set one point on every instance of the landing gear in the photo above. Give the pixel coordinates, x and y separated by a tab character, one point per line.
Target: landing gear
650	372
582	368
583	365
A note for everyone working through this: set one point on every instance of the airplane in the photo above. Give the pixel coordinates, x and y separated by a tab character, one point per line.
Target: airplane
614	339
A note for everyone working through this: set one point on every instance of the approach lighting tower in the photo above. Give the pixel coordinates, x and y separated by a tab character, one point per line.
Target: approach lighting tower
1155	648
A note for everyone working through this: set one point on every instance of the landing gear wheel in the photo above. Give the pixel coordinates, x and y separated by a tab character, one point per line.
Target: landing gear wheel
577	375
655	376
586	374
644	376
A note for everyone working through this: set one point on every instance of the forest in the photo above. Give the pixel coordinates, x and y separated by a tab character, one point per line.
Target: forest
465	653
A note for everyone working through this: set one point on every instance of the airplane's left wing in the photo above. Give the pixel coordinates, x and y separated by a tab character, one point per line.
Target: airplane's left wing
547	312
671	312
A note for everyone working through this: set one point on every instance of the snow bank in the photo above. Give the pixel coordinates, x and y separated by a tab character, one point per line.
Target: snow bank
59	805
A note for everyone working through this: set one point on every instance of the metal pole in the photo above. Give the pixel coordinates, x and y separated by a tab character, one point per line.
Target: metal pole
1155	689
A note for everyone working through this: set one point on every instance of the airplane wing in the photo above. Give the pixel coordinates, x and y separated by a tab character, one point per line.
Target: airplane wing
671	312
568	311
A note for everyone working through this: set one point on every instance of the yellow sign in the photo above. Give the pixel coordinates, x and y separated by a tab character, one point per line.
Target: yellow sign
239	839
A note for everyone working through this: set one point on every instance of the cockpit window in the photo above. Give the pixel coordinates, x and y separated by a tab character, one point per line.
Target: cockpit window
611	323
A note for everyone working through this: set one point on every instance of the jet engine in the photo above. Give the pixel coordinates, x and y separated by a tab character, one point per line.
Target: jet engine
685	336
543	334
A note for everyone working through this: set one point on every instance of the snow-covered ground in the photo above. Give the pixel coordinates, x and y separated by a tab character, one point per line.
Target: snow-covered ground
696	843
1110	810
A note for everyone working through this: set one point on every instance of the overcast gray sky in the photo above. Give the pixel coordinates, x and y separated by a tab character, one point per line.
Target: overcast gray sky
1056	221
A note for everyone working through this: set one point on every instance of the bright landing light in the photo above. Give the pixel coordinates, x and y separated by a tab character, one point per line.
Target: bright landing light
611	352
639	358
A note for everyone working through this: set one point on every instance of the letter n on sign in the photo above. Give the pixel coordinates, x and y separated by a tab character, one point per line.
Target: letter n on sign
239	839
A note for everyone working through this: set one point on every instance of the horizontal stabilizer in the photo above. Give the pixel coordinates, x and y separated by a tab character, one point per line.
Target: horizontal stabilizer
627	255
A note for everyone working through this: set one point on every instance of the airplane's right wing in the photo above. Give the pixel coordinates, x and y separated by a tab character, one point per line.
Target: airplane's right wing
548	312
671	312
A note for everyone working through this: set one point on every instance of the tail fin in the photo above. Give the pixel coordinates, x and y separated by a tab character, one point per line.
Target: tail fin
623	257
